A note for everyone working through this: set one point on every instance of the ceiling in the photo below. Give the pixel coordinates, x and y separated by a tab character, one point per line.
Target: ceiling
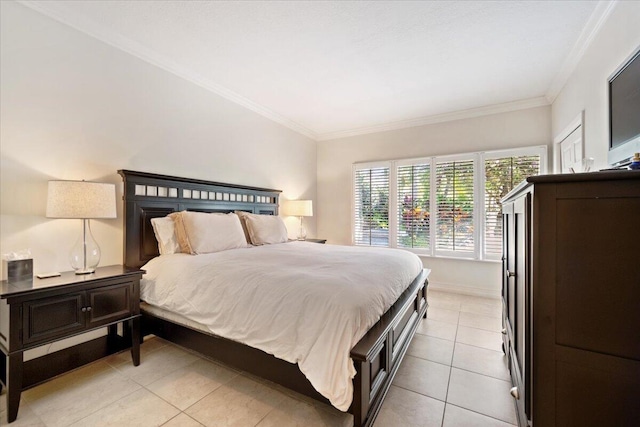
337	68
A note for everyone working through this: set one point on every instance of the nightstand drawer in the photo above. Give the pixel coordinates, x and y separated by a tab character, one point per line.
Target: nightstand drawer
49	318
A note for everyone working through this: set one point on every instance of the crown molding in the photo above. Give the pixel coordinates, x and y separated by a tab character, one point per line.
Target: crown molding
440	118
100	32
107	36
591	29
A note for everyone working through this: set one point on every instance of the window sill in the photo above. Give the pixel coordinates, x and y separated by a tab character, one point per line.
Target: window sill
491	261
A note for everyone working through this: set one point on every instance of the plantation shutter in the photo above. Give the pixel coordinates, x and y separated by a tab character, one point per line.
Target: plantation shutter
501	175
454	204
371	225
414	186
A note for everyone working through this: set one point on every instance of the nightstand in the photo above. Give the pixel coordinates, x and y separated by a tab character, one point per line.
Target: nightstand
322	241
40	311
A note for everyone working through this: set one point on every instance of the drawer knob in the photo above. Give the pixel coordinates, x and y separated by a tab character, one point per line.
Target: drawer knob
504	331
83	309
89	308
515	393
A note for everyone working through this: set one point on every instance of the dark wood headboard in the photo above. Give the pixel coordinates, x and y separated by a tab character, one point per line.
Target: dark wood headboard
148	195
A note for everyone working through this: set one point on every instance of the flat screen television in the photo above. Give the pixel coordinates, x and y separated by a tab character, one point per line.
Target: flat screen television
624	112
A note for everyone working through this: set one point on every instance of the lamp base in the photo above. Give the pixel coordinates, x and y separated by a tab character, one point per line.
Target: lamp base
85	255
302	233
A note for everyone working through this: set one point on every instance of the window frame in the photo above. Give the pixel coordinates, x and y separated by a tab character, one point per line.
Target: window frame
479	183
363	166
539	150
434	205
411	162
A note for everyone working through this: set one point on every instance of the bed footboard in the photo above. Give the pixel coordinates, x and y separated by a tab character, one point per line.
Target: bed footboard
378	354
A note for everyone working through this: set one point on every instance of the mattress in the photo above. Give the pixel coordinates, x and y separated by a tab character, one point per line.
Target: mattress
301	302
173	317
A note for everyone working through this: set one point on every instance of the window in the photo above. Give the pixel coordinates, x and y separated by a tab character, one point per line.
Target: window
414	206
442	206
455	207
501	174
371	200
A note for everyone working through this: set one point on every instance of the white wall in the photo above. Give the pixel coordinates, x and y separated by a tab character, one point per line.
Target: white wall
73	107
335	158
586	88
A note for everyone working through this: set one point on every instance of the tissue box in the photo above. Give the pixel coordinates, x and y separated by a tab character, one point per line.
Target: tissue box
17	270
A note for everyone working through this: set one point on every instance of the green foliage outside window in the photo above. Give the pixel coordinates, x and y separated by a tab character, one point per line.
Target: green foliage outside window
501	175
374	201
414	199
455	200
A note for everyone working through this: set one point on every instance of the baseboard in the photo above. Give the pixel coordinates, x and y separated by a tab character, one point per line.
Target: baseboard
464	290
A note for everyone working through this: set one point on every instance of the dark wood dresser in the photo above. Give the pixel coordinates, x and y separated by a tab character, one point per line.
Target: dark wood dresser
571	297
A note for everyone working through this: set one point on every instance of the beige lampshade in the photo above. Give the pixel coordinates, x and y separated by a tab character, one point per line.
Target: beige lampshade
81	199
298	208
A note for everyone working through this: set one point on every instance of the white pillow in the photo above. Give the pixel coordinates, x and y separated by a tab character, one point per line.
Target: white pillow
165	231
265	229
203	233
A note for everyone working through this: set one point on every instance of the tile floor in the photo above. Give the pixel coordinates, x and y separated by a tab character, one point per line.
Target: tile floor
453	375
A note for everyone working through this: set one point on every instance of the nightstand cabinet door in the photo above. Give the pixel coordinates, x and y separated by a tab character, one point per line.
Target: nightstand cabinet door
49	318
109	304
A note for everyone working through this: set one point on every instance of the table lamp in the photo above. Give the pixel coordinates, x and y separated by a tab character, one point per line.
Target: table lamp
299	208
82	200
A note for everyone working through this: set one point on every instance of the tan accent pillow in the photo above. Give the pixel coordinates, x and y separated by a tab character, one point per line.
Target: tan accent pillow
243	215
266	229
181	233
202	233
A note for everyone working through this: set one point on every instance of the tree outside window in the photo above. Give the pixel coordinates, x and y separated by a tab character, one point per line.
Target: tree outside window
454	192
372	206
414	206
501	175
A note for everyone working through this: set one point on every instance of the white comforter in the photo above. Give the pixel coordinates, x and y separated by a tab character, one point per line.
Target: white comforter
302	302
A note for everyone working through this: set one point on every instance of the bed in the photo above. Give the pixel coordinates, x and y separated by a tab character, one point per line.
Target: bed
376	355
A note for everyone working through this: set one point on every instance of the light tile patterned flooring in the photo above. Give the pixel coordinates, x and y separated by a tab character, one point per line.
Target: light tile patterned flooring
453	375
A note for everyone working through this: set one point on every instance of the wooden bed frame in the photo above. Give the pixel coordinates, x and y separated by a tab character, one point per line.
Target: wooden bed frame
377	355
